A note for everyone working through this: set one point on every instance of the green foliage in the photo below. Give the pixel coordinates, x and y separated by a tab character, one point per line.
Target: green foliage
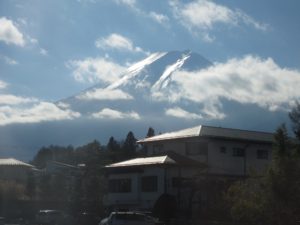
84	190
295	118
129	146
274	198
150	132
247	201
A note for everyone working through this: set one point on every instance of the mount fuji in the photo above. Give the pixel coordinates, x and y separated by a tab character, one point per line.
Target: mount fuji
157	91
143	91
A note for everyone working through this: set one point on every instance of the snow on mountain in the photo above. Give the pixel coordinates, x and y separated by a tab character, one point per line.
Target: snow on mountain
140	87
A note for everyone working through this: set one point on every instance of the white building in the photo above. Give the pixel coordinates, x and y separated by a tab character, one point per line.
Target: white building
176	160
14	170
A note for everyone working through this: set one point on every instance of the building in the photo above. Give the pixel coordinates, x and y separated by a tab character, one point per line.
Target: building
14	170
181	164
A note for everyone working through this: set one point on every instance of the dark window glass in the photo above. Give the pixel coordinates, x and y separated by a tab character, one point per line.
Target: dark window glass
238	152
119	185
196	148
262	154
149	184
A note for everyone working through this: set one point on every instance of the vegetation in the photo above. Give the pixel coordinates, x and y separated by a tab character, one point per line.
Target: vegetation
274	198
84	189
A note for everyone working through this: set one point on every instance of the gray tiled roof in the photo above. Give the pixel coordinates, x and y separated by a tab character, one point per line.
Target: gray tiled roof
214	132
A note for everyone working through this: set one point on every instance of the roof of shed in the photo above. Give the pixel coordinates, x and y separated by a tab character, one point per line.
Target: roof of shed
214	132
13	162
171	158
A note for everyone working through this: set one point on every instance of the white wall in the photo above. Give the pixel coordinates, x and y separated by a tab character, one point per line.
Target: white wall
220	163
136	197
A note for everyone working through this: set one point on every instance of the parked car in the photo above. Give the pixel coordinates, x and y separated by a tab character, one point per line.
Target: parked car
129	218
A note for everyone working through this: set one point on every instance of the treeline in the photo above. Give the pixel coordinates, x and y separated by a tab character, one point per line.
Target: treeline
84	190
113	151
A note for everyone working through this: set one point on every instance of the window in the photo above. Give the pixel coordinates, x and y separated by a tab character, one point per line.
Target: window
223	149
149	184
119	185
262	154
196	148
238	152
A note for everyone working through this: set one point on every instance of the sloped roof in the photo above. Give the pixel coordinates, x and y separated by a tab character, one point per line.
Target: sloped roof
215	132
144	161
13	162
171	158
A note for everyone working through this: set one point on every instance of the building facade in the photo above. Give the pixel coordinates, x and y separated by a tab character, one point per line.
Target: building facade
197	154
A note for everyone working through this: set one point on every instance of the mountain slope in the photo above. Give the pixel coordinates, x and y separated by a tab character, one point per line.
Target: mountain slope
140	87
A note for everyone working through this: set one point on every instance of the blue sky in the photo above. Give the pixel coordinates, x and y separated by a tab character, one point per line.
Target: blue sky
50	50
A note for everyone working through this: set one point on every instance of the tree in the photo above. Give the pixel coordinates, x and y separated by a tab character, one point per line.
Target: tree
129	146
295	118
150	132
274	198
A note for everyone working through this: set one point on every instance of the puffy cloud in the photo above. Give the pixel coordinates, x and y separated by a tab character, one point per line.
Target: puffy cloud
9	33
105	94
3	84
117	41
108	113
40	112
181	113
8	99
160	18
93	70
249	80
202	15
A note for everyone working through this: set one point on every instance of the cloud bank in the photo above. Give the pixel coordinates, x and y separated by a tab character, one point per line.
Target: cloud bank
249	80
40	112
108	113
105	94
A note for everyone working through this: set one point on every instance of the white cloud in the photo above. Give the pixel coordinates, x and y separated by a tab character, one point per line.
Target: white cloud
40	112
108	113
105	94
15	100
3	84
201	16
157	17
249	80
130	3
8	60
181	113
160	18
93	70
9	33
117	41
43	52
